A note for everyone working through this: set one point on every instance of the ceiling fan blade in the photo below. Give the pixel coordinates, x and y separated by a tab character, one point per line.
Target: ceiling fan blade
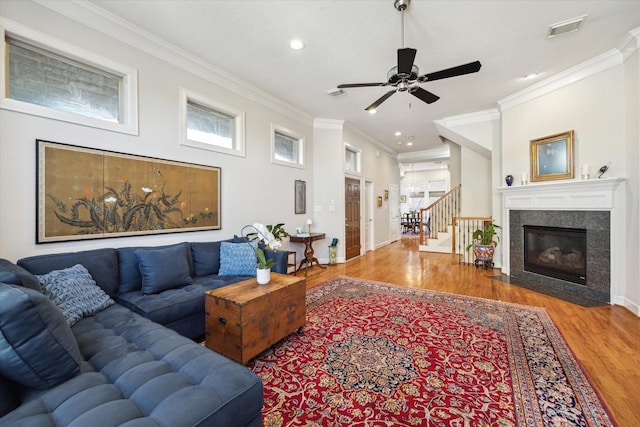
424	95
471	67
380	100
405	60
348	85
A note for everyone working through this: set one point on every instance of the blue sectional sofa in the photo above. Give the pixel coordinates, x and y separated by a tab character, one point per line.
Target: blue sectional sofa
131	359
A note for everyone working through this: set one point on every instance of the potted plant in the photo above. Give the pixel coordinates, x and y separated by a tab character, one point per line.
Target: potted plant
263	267
278	232
485	240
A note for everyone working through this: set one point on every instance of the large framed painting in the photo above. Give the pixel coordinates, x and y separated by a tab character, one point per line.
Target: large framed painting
552	157
84	193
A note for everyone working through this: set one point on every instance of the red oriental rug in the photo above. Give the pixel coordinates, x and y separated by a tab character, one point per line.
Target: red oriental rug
373	354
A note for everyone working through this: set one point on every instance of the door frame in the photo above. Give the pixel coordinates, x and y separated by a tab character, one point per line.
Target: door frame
369	211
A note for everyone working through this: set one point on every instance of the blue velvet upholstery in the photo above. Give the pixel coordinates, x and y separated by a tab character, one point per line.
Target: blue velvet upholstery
130	277
101	263
163	268
37	347
16	275
206	258
143	374
136	372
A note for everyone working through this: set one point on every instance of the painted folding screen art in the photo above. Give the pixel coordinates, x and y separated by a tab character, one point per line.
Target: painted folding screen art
84	193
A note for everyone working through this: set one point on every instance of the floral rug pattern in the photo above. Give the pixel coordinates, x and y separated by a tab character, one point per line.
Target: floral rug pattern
373	354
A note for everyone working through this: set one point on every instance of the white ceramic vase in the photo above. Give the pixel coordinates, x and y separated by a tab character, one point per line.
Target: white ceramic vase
263	275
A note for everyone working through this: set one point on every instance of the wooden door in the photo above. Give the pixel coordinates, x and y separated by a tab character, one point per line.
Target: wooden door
352	217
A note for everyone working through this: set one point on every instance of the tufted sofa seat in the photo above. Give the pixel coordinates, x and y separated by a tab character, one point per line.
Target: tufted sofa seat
139	373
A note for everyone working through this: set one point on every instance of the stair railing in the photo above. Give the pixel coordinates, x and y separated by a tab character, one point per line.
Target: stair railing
439	215
463	228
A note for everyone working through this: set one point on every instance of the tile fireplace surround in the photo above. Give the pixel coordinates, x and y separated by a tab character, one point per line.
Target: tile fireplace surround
594	204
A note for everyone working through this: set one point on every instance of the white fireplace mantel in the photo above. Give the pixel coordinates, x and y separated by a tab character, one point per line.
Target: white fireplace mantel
593	195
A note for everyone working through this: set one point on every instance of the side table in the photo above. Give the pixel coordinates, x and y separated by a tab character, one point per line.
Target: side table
309	257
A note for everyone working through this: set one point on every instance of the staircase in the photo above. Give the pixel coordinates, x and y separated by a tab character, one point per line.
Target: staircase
436	233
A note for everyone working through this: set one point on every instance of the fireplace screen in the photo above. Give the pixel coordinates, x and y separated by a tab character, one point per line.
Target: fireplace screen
556	252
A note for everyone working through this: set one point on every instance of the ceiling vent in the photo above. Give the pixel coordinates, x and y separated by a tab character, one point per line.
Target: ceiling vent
336	92
565	27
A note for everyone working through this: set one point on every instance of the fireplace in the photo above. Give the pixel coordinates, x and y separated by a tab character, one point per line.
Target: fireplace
556	252
596	205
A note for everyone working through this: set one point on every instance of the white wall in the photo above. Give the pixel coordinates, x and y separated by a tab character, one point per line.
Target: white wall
253	189
593	107
632	157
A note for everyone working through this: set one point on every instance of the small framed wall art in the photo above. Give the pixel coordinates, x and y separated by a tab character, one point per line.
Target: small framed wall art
300	196
552	157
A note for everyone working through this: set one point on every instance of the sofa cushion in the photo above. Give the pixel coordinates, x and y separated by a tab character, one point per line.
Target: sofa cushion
12	273
74	292
206	258
237	259
163	268
36	343
101	263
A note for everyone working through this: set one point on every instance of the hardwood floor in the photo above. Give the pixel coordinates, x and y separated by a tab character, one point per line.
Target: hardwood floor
606	340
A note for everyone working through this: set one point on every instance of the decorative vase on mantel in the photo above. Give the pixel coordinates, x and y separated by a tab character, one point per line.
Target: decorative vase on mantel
509	180
263	275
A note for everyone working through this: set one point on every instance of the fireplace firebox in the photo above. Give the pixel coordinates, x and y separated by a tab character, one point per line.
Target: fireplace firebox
556	252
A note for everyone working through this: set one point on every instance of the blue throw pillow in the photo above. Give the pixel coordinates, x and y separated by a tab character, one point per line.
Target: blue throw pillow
74	292
206	258
238	259
163	268
36	343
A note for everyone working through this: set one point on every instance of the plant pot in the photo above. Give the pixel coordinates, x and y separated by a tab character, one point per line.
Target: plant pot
484	255
263	275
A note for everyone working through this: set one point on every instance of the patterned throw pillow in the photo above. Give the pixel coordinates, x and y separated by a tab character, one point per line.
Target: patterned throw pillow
75	292
238	259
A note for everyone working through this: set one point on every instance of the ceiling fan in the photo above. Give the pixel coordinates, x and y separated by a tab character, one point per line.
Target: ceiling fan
406	74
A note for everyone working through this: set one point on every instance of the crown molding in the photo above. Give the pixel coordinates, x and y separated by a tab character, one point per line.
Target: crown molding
334	124
598	64
96	18
630	44
351	128
471	118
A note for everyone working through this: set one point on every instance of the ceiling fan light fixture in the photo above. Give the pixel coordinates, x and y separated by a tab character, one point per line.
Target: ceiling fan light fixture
372	111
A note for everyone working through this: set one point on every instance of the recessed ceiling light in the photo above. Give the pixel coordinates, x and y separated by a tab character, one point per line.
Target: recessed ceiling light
399	142
532	75
296	44
372	111
409	143
398	133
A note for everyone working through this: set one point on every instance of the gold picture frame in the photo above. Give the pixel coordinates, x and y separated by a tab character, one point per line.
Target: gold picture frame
86	193
379	201
386	194
552	157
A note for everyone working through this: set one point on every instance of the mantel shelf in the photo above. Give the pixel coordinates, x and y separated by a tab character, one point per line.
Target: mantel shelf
574	185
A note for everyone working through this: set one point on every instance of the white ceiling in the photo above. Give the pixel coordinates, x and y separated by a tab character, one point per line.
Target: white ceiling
352	41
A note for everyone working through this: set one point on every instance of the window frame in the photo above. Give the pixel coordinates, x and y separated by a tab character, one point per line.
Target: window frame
238	117
128	93
358	158
302	147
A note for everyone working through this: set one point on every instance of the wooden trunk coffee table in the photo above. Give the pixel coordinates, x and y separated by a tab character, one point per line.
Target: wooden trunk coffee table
244	319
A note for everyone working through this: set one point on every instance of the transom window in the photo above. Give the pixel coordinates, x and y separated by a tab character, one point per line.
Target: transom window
49	78
352	160
44	78
287	148
211	126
